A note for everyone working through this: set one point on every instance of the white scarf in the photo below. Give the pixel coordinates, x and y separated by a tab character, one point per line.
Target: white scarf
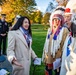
56	43
45	49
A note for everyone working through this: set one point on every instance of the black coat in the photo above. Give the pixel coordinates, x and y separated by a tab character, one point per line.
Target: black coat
3	27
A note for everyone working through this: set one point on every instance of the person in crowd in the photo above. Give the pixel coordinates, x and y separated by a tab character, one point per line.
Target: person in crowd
69	52
70	61
70	48
54	42
19	50
70	24
67	17
3	34
15	20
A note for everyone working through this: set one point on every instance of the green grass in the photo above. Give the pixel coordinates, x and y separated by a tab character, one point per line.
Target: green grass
37	46
38	41
39	27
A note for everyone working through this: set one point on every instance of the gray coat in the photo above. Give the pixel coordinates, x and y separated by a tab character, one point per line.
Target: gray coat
18	48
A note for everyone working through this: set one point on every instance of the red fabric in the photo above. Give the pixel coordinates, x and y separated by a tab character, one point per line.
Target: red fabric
67	10
50	65
71	33
46	73
24	36
49	68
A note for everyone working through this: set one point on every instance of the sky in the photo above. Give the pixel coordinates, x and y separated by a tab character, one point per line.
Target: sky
42	4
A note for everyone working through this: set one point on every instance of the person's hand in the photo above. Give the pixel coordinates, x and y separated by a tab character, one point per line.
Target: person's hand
3	34
34	59
16	63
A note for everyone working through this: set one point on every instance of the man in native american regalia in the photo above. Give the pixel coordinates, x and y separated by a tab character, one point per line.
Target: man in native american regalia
54	42
69	52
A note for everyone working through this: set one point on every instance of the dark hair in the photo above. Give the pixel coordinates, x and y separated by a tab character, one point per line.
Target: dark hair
62	9
73	28
20	22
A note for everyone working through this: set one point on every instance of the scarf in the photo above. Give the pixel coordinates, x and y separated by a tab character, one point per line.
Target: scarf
56	40
26	35
55	44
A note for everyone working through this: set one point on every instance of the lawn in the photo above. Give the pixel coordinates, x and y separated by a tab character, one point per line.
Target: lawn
38	41
39	35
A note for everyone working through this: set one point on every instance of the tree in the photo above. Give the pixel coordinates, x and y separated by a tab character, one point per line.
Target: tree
6	9
38	16
1	1
22	7
14	7
46	17
51	6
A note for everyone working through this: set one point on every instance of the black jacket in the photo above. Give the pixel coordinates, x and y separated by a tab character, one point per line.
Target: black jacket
3	27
